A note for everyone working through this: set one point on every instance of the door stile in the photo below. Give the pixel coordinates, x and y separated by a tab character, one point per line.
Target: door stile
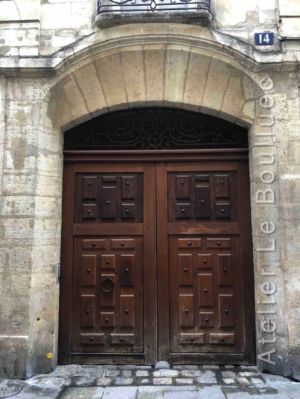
163	264
66	275
150	266
246	258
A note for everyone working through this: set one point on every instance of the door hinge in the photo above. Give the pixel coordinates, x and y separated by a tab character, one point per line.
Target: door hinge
57	272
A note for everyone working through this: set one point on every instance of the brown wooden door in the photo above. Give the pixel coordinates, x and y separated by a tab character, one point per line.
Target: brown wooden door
204	260
155	259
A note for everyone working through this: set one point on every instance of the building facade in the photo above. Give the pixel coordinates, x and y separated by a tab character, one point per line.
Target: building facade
150	110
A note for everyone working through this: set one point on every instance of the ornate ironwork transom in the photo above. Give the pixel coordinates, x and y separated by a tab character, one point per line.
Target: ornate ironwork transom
155	129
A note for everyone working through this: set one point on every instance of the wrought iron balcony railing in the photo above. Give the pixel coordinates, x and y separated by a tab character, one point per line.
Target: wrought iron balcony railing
125	11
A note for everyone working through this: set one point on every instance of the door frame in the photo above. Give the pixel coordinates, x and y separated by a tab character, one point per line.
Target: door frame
72	157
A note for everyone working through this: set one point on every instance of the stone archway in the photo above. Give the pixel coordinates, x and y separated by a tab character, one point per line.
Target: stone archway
171	75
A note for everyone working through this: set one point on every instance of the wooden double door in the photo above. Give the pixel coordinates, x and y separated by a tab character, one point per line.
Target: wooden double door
156	262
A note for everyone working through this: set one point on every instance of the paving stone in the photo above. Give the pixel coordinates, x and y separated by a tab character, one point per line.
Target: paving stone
243	381
83	393
208	373
228	381
150	393
228	374
162	381
145	381
127	373
258	381
182	395
191	373
229	366
129	367
104	381
142	373
207	380
248	374
212	392
124	381
162	365
165	373
184	381
210	367
84	381
112	373
97	372
119	393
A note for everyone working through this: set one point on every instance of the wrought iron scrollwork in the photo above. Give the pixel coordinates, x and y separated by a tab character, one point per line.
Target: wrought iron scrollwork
155	129
151	5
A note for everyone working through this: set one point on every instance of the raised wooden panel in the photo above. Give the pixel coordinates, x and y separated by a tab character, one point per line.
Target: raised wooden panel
208	197
224	264
111	198
186	306
89	187
226	310
87	314
127	311
186	269
206	294
88	270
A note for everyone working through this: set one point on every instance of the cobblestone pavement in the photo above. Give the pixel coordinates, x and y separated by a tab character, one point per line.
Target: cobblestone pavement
143	382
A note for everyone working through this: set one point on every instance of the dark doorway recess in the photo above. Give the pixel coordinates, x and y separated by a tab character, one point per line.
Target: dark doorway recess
156	243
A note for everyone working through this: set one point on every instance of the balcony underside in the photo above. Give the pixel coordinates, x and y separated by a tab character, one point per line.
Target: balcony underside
112	12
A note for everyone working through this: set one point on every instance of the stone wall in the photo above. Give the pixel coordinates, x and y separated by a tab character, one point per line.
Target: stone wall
58	69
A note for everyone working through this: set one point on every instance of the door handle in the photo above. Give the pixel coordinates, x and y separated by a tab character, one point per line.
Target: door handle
108	285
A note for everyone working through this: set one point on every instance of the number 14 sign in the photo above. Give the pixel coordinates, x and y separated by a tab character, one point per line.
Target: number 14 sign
264	39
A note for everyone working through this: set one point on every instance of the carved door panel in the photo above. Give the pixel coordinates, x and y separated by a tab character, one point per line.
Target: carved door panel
204	217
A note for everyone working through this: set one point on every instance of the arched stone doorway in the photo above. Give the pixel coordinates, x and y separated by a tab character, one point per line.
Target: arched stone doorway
157	250
176	72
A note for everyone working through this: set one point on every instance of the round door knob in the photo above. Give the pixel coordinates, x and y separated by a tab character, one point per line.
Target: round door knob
126	270
107	261
182	210
186	310
121	339
92	339
127	183
192	339
222	339
108	202
219	243
89	183
226	311
185	269
206	319
89	211
182	182
126	311
190	243
205	261
93	244
222	210
126	210
222	181
107	320
205	290
202	201
122	244
87	310
88	270
225	269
